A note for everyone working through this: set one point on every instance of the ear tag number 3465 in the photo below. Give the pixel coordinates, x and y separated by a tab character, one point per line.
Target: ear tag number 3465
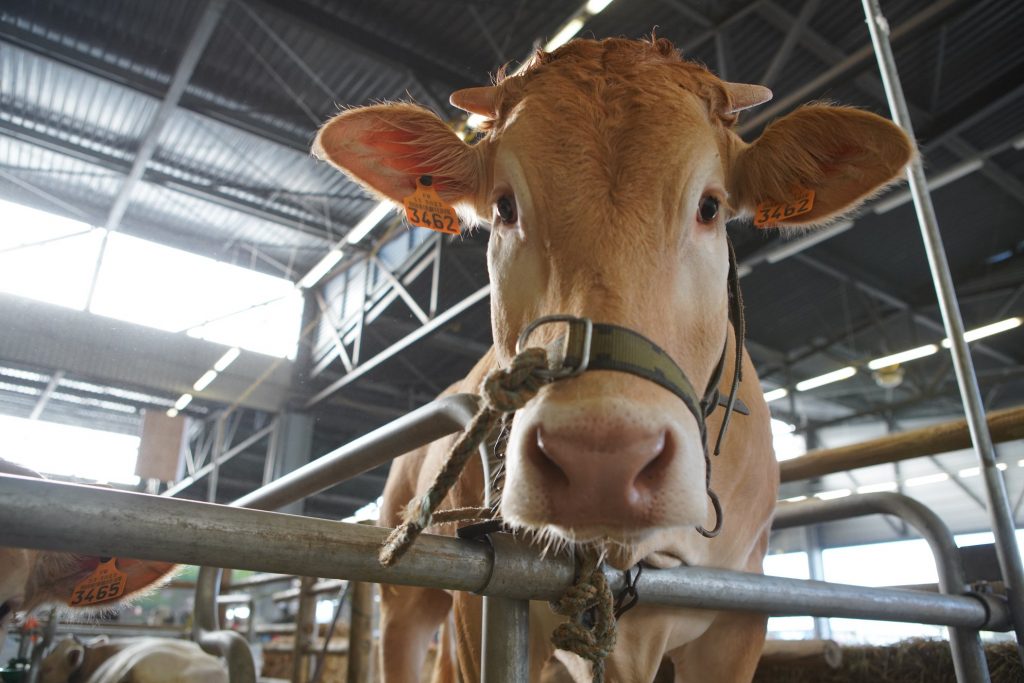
105	583
425	208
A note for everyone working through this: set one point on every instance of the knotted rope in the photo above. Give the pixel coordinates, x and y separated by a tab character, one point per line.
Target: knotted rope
589	604
505	390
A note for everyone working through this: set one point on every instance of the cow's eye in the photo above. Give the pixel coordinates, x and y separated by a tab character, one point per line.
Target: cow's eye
707	210
505	207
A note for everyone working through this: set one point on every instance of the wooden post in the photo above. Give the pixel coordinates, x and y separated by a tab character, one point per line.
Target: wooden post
360	634
1005	425
305	621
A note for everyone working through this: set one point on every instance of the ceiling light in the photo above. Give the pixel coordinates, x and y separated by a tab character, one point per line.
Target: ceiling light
172	412
1001	466
827	378
775	394
969	472
988	330
596	6
1020	463
832	495
227	359
205	380
926	479
317	272
903	356
795	499
476	120
948	176
571	28
878	488
182	401
369	222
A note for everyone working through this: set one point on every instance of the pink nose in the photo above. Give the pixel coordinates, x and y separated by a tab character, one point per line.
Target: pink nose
601	474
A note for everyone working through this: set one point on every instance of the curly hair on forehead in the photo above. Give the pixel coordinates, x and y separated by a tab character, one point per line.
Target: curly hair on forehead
581	60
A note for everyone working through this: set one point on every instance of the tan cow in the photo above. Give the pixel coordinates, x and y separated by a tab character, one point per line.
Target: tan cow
607	174
31	578
135	660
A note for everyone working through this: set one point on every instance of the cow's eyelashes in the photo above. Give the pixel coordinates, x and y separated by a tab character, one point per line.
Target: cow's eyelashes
707	210
505	209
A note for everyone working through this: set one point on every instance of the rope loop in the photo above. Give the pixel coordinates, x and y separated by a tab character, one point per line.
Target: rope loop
589	604
504	391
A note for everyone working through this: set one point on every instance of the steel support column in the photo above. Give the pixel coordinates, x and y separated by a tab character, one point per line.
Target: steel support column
995	488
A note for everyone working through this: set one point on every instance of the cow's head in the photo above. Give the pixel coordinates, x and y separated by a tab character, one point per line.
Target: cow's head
30	578
607	174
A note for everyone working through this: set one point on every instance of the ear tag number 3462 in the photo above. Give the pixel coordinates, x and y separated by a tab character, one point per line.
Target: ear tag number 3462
768	215
425	208
105	583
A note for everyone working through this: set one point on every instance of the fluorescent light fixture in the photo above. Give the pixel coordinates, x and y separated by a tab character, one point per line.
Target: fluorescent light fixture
182	401
205	380
969	472
369	222
791	247
878	488
1020	463
988	330
903	356
827	378
172	412
596	6
795	499
775	394
571	28
1001	466
743	271
832	495
317	272
926	479
227	359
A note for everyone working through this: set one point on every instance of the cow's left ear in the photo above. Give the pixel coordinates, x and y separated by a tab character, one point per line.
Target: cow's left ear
386	147
843	155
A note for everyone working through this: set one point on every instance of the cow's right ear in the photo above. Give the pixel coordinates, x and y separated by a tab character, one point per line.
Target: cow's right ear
843	155
55	576
386	147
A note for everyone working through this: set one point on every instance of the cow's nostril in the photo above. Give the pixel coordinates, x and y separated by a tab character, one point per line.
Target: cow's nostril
542	459
655	470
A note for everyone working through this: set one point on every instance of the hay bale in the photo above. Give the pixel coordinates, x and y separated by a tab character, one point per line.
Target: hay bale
911	661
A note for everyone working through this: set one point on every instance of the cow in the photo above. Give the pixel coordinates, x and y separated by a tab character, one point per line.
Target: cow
32	578
136	660
607	171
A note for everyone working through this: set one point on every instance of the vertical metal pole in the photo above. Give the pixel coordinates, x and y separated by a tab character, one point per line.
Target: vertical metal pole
995	488
506	641
305	621
435	276
218	449
816	571
360	634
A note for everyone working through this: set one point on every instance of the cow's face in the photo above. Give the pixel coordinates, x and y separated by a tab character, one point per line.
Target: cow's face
607	175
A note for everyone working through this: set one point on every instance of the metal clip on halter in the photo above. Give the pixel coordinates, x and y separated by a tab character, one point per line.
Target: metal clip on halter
577	341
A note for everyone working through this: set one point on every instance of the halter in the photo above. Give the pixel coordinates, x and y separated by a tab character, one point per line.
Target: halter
590	346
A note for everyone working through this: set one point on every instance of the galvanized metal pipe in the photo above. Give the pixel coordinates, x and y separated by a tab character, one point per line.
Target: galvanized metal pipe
116	523
506	623
999	510
968	655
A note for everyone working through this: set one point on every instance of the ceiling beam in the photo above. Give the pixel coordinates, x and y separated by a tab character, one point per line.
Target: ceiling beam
194	49
85	62
91	154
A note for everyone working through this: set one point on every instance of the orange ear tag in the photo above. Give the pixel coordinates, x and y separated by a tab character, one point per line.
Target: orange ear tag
425	208
768	215
106	583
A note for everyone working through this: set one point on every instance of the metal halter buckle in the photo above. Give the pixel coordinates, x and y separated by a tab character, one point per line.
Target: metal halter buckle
576	326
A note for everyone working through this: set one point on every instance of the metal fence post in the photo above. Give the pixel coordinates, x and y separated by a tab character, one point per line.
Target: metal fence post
305	624
360	633
995	488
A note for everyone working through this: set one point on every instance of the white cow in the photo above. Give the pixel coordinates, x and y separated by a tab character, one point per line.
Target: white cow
139	660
